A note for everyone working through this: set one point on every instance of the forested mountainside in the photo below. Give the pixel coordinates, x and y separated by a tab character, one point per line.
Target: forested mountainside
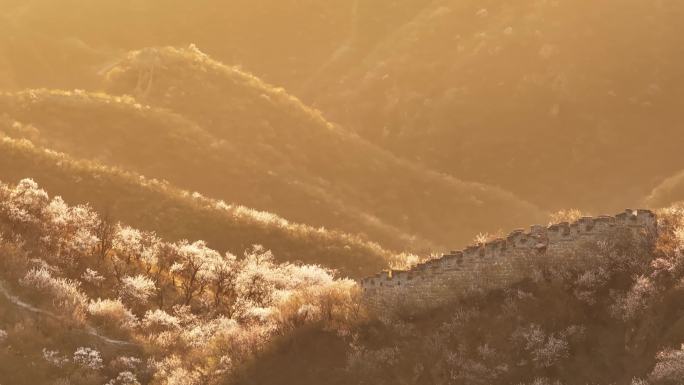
88	301
507	79
85	300
287	158
566	93
176	214
159	144
562	92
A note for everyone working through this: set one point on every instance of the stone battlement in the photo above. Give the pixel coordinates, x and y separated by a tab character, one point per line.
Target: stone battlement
502	261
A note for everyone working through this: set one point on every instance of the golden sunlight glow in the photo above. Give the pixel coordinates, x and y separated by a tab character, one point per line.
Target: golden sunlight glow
206	191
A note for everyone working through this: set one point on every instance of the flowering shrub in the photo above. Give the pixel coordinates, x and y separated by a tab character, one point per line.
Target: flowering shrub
193	268
137	289
88	358
669	369
635	300
25	203
545	349
112	314
64	293
124	378
159	320
53	357
92	276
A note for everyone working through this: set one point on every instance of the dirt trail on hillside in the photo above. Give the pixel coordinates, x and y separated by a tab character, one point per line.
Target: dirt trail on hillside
87	330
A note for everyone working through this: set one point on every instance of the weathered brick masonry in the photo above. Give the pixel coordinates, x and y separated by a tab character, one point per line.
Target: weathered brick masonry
501	262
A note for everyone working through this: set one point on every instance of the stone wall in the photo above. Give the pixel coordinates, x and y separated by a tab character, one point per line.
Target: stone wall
501	262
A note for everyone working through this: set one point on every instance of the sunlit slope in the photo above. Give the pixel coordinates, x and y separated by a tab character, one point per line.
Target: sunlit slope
176	214
667	192
563	92
544	98
157	143
288	42
284	40
278	129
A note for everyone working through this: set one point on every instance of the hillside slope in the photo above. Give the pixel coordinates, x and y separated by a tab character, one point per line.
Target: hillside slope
288	159
87	303
161	144
176	214
565	93
667	192
481	90
615	319
278	129
282	40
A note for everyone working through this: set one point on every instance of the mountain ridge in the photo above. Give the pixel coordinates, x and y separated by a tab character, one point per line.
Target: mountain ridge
176	214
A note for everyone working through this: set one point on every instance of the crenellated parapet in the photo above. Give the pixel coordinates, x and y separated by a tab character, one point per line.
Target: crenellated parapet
470	264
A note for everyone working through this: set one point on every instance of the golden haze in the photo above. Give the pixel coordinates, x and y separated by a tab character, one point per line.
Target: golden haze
342	137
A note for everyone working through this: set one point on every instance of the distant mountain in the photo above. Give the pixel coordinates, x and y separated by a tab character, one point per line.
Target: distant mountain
176	214
31	56
284	156
160	144
283	40
541	98
562	92
293	139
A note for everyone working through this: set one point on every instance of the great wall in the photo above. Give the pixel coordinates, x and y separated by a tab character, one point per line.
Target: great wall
503	261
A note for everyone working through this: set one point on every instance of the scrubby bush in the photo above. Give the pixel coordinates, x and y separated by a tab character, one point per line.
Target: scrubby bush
65	294
669	368
111	315
88	358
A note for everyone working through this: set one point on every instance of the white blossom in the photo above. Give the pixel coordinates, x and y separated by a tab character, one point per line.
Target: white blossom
112	311
53	357
669	367
26	202
635	300
137	289
124	378
88	358
92	276
64	292
159	319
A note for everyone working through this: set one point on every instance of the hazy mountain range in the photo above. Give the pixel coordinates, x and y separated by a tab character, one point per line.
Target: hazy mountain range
192	183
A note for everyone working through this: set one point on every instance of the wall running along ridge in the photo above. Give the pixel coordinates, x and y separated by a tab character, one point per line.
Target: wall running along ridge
501	262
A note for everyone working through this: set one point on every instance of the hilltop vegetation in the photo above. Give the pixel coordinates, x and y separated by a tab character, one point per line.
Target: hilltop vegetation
160	144
176	214
617	321
86	302
228	126
149	311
